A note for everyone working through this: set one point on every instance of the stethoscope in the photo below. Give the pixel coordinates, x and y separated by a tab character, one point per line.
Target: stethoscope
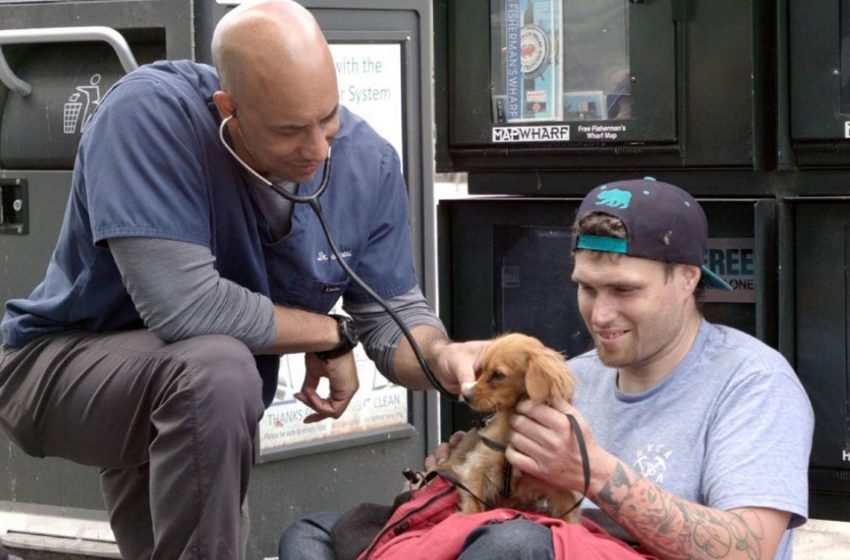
312	200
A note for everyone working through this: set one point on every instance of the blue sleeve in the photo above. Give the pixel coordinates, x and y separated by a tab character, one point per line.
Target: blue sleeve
759	444
387	262
142	166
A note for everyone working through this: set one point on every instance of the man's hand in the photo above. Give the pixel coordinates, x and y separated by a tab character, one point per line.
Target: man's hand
544	445
342	374
454	363
441	454
416	479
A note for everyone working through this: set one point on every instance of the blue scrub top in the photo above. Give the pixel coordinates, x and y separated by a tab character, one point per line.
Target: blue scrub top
150	164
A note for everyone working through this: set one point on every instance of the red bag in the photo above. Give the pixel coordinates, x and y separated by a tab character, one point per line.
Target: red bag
428	527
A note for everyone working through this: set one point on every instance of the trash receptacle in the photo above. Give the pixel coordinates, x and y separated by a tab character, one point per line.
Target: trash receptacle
57	60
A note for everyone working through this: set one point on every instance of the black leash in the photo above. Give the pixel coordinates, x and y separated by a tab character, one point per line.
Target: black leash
585	460
458	484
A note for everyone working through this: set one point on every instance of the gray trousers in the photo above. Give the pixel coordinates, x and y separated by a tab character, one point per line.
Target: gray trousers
171	427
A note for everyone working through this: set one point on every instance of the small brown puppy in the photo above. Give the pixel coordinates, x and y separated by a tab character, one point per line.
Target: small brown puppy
514	367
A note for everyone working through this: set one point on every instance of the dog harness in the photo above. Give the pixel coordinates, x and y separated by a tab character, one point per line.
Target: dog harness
507	467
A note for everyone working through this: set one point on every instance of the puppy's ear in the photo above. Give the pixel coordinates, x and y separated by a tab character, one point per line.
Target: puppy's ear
547	375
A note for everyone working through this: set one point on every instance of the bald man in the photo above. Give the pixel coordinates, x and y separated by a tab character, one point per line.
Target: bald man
152	345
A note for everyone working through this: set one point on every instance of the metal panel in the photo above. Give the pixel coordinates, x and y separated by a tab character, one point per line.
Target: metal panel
154	29
815	47
822	282
819	76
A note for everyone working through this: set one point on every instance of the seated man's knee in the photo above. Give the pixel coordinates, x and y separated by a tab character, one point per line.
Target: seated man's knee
517	539
309	538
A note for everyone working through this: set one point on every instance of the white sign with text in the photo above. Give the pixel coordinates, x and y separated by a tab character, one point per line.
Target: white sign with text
369	80
370	85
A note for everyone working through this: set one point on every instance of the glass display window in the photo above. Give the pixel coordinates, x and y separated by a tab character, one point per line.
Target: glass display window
820	81
563	72
560	60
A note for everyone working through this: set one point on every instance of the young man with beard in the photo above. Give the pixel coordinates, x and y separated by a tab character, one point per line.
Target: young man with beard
698	435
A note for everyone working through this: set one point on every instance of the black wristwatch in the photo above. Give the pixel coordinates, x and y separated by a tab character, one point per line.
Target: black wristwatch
347	338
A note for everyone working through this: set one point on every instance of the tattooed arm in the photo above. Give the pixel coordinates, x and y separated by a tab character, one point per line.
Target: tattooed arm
670	527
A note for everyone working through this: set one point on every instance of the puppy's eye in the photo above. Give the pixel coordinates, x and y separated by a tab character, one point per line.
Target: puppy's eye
497	376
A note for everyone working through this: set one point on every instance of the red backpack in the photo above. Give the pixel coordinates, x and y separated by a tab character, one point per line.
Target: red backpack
428	527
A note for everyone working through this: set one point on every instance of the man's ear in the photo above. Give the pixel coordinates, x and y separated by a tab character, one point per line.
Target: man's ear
225	104
691	275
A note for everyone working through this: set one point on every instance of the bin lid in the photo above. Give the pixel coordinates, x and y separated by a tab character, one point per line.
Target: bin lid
42	130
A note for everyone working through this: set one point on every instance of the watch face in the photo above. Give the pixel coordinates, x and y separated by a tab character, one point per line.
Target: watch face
347	338
348	331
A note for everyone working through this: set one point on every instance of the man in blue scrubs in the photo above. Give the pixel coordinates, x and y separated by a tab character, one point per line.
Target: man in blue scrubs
152	345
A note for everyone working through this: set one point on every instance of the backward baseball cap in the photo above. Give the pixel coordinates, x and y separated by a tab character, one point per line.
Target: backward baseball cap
663	223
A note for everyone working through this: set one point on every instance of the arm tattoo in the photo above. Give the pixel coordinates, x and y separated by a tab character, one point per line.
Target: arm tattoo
676	528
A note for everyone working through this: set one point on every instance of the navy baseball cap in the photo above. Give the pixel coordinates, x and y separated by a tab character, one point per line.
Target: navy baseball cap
663	223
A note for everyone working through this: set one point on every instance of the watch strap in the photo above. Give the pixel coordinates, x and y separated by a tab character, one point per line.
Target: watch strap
347	338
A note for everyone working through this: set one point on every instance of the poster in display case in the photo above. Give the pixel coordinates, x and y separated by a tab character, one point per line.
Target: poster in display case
563	75
532	68
370	84
555	61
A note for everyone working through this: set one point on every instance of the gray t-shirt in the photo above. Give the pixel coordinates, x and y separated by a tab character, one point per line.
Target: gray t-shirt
730	427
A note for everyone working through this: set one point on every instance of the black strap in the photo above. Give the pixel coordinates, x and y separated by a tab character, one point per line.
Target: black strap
507	467
508	470
495	446
582	449
585	460
458	484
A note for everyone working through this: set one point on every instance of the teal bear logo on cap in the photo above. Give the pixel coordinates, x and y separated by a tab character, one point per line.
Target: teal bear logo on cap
615	198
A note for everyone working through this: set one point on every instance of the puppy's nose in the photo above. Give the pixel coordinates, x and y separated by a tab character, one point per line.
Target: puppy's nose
466	391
